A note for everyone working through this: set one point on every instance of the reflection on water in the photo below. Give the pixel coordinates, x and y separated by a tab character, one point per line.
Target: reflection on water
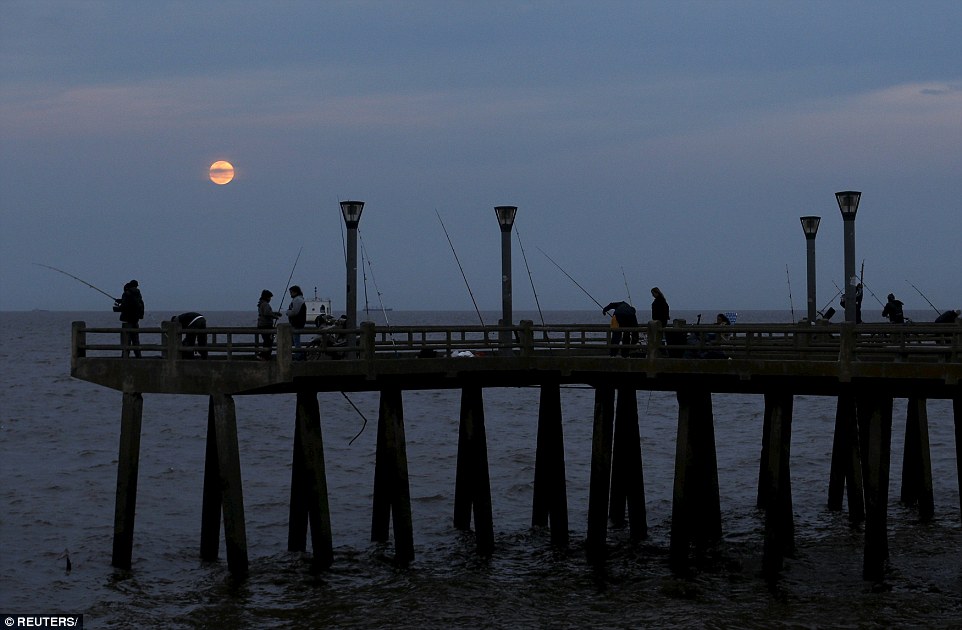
59	439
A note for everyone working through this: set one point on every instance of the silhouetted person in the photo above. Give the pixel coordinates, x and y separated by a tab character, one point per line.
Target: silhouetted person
893	310
192	321
297	316
131	309
948	317
624	317
858	303
659	307
266	317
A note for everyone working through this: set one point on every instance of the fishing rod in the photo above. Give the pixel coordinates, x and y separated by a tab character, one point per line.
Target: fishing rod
627	290
453	251
570	278
790	301
881	303
925	298
865	286
837	293
377	290
530	278
290	277
78	280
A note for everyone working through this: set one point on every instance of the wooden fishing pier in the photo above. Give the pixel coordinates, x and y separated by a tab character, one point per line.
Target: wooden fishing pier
864	366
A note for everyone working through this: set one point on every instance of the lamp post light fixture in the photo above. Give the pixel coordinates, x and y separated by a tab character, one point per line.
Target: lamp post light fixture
848	205
810	227
352	216
505	216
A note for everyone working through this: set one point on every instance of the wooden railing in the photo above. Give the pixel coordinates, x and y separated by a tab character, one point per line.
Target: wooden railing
918	343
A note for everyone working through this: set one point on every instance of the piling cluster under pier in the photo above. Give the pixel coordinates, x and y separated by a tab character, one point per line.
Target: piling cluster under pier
868	370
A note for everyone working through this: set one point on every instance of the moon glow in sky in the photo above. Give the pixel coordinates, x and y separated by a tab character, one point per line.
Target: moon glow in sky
221	172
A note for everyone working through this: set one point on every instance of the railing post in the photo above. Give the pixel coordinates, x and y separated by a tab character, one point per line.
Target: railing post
846	350
285	345
654	344
368	340
78	343
526	333
171	340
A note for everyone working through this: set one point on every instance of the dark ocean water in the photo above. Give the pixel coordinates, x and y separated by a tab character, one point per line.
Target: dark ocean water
58	454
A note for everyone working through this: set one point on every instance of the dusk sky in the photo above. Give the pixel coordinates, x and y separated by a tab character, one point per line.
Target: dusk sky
670	144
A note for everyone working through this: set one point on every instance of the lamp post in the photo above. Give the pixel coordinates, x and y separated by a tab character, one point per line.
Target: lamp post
352	216
810	227
505	216
848	205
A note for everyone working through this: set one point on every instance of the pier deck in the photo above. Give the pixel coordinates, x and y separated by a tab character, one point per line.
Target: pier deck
865	366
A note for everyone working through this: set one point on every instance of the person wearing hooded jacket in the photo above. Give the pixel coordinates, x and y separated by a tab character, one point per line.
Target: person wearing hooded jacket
131	309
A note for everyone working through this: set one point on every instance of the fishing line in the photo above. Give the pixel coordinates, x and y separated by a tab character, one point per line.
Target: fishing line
78	280
363	417
453	251
570	278
925	298
530	278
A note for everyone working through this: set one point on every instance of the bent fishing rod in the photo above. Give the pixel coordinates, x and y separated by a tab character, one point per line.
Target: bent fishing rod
457	260
570	278
81	280
925	298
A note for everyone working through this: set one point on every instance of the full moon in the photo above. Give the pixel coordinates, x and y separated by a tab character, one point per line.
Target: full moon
221	172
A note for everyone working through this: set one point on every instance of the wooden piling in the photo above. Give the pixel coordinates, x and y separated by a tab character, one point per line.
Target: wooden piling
846	470
875	427
309	496
600	483
128	465
224	457
550	501
473	482
627	474
917	461
957	416
211	504
392	495
696	505
779	521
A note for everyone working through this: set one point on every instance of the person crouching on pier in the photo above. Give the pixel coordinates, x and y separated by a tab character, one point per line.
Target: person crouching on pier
624	317
893	310
192	321
266	316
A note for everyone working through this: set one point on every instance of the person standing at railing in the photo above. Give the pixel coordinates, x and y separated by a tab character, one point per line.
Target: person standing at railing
131	309
624	317
297	316
893	310
266	316
192	321
659	307
858	303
